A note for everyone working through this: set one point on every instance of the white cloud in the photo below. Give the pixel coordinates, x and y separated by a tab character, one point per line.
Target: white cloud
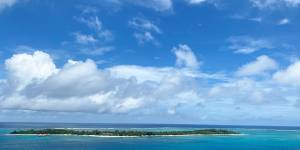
84	39
144	30
239	16
35	83
157	5
284	21
128	104
88	9
6	4
94	23
185	57
96	41
274	4
63	90
24	68
247	45
143	24
160	6
195	2
145	37
80	86
289	76
97	50
261	65
154	74
246	90
142	74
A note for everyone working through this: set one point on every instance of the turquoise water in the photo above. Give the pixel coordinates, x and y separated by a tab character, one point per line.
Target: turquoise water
252	139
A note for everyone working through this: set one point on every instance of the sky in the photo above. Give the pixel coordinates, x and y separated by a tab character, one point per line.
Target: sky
150	61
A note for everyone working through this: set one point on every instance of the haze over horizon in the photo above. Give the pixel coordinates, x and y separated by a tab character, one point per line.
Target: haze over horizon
152	61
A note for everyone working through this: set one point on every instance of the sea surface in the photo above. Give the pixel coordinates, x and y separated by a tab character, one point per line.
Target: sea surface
252	138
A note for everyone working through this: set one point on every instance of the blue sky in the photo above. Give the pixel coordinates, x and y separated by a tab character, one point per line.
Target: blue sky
155	61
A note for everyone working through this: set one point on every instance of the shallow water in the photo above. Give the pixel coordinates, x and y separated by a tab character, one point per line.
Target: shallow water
253	138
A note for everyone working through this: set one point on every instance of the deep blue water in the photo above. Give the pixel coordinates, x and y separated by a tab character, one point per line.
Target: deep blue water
253	138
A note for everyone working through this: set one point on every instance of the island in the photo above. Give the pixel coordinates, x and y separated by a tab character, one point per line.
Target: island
43	132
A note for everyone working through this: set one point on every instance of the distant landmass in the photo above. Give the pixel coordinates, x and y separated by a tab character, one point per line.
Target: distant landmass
122	132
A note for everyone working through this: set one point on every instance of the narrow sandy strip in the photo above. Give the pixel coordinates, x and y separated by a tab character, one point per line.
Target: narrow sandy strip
107	136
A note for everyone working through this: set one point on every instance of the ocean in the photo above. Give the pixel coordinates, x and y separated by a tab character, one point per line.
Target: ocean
252	138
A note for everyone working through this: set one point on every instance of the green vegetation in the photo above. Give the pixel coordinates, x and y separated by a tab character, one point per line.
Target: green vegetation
124	132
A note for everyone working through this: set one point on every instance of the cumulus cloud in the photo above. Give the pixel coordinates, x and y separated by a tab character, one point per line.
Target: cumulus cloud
6	4
24	69
289	76
185	57
63	91
246	90
35	83
142	74
247	45
261	65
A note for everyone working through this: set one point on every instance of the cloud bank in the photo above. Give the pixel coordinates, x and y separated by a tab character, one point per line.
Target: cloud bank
35	83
